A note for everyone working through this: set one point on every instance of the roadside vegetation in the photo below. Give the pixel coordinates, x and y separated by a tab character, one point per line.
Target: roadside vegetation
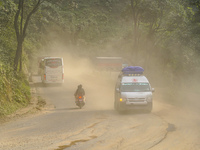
14	91
161	36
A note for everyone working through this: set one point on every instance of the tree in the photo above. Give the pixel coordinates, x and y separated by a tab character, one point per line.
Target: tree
20	24
136	12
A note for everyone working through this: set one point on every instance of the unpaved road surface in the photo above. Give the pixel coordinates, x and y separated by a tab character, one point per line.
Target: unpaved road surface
97	126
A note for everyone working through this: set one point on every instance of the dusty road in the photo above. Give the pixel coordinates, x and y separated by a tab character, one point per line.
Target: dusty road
97	126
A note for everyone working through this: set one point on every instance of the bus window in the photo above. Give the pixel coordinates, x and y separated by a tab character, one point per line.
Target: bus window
53	62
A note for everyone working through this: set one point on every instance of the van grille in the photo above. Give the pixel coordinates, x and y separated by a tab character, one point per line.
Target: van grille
136	99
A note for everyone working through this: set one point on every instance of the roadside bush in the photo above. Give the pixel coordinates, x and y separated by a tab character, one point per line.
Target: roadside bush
14	91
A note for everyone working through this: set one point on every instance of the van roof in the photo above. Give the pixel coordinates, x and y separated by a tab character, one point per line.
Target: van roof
130	79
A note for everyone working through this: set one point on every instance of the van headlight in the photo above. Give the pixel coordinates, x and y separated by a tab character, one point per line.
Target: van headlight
122	99
149	99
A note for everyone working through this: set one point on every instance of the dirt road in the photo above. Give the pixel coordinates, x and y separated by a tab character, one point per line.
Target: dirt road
97	126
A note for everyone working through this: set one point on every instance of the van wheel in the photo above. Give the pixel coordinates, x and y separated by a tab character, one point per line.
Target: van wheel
44	84
149	109
115	105
118	109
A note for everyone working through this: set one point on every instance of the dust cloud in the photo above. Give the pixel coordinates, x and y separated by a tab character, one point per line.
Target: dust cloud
173	104
171	84
99	86
80	68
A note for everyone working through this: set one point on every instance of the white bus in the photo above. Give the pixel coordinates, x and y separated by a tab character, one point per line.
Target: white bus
52	70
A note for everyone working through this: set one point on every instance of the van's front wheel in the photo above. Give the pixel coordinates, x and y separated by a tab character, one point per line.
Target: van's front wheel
149	108
115	105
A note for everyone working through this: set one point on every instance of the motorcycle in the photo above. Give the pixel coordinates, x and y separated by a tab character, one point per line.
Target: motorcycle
80	101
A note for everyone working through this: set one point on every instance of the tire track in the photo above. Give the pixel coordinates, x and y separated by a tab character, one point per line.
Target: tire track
75	142
170	128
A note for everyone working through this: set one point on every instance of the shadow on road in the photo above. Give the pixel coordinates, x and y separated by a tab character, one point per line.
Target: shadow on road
75	110
60	109
133	112
40	84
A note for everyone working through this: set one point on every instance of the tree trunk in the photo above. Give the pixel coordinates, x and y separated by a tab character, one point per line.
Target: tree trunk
20	65
20	29
18	54
135	13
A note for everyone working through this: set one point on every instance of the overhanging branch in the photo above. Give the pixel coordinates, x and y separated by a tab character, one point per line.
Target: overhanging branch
16	26
29	16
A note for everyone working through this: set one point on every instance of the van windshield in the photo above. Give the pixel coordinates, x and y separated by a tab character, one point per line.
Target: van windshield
53	62
135	87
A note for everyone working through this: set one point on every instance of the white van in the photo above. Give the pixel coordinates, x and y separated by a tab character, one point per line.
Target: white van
133	92
52	70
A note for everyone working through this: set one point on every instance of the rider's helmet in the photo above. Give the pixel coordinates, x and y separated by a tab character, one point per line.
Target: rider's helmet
80	86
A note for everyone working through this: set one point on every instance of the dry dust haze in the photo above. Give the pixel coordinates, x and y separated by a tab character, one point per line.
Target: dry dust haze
80	68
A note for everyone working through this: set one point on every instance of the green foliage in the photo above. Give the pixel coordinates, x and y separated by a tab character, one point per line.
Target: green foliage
14	90
165	34
7	36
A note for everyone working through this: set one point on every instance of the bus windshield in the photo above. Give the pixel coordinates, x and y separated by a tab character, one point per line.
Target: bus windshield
53	62
135	87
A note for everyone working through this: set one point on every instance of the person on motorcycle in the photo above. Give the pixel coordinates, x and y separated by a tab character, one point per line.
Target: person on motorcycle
79	92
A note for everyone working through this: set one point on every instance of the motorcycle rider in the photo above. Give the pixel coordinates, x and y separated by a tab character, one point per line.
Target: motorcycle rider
79	92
